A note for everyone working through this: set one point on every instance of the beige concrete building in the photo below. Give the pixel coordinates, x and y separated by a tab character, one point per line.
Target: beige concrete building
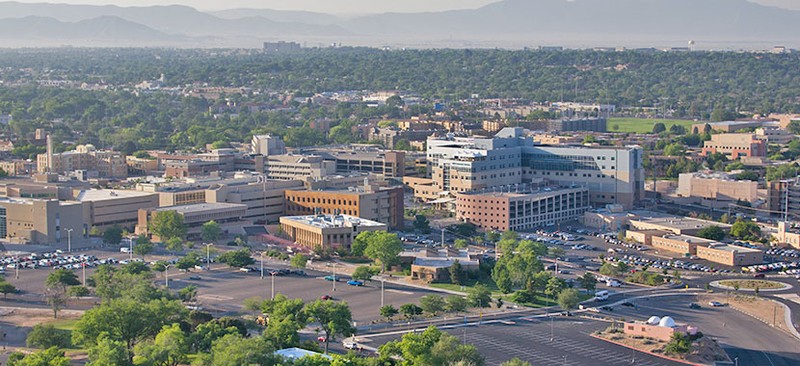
326	231
716	186
644	236
785	235
735	145
730	255
298	167
41	221
661	329
609	218
106	207
267	145
774	135
227	215
383	205
532	207
674	224
555	139
680	244
107	164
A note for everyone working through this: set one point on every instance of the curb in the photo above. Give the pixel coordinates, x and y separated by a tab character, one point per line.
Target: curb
647	352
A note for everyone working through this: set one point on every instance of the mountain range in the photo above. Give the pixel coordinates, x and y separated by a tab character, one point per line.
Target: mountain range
507	23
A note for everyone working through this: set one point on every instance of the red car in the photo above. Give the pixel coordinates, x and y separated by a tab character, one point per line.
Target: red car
326	297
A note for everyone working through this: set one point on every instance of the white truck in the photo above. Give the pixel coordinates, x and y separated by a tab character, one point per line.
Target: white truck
601	295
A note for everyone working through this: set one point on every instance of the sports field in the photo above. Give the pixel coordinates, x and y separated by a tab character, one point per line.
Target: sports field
644	125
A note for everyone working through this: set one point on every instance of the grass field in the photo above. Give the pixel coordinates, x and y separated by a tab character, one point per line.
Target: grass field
644	125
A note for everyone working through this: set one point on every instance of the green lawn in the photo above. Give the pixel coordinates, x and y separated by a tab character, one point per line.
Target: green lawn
64	324
645	125
469	284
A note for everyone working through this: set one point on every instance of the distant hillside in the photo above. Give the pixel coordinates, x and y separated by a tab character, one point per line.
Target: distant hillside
105	30
279	16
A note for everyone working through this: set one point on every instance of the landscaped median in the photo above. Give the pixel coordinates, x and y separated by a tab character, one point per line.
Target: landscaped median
751	285
699	350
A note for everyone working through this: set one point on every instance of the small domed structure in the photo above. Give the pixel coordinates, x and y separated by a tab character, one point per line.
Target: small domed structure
667	322
653	320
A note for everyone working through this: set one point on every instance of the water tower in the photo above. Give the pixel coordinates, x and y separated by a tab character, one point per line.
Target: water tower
691	46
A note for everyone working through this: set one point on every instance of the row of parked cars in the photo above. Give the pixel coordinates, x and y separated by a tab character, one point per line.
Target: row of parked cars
54	260
665	264
778	252
788	267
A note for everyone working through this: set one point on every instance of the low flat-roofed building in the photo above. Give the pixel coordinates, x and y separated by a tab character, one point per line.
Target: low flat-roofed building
785	235
109	207
717	186
434	265
424	189
228	215
735	145
681	244
610	218
326	231
674	224
41	221
661	329
293	167
730	255
530	208
644	236
728	126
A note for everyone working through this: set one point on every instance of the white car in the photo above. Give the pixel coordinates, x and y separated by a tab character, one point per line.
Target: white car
350	345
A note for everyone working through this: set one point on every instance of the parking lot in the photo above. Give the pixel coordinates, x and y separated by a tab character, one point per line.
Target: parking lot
531	340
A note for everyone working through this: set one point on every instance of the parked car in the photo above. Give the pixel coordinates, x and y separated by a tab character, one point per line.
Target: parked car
715	304
694	305
326	297
759	275
350	344
331	278
355	283
195	278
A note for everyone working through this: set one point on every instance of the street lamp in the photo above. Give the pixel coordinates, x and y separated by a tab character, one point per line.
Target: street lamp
261	257
130	247
334	276
69	240
83	268
208	256
166	275
272	295
383	281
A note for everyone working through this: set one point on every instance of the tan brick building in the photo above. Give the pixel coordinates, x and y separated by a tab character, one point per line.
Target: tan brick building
730	255
735	145
384	205
716	186
681	244
326	231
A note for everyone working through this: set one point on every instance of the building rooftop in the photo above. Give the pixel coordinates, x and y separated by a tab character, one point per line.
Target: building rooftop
688	239
732	248
680	223
523	191
108	194
332	221
201	207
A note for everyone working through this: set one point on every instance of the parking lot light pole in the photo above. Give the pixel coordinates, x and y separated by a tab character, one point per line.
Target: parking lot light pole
383	281
334	276
208	256
261	256
83	267
130	247
69	240
166	275
272	296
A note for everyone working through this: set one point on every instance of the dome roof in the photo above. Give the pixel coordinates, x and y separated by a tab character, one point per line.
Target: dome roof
667	322
653	320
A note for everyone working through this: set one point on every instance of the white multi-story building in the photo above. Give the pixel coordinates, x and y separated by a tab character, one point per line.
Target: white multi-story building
613	175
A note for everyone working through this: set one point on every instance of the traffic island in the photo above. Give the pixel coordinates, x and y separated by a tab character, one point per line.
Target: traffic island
751	285
699	350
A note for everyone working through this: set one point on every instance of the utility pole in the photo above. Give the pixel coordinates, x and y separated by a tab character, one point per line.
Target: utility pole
208	256
69	240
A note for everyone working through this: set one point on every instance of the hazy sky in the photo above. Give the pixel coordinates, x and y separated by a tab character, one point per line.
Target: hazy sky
335	6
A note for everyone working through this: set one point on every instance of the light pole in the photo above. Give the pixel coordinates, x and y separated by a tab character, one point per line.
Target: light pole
383	281
69	240
130	247
166	275
261	257
736	361
334	276
83	268
272	295
208	256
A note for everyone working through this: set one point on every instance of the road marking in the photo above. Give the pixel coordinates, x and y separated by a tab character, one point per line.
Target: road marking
399	292
768	359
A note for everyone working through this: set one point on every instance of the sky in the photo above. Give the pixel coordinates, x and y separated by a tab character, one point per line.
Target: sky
336	6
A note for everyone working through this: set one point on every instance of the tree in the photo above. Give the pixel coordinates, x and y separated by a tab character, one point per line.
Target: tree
7	288
113	235
746	230
169	348
49	357
360	243
515	362
78	291
364	273
237	258
712	232
432	347
188	293
384	247
46	335
410	311
556	252
456	273
432	304
422	224
389	312
492	236
554	286
188	261
122	321
167	225
479	296
659	128
211	231
456	304
334	318
108	352
461	243
679	344
588	281
235	350
675	149
568	299
143	246
56	288
299	261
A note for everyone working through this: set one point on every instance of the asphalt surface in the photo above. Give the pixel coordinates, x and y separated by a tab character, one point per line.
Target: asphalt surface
742	336
564	341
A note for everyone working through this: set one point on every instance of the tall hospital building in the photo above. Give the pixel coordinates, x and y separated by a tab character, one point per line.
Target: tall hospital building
612	175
